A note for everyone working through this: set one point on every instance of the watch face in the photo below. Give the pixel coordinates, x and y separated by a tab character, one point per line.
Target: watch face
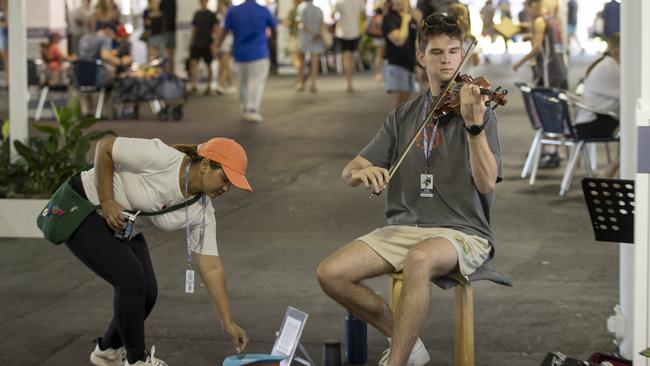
474	129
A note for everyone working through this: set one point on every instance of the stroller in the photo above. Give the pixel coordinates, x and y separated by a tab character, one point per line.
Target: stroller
165	93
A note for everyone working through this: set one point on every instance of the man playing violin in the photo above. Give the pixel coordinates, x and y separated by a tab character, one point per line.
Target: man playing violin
437	204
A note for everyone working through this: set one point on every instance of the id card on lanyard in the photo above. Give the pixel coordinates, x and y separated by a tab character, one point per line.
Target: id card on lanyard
189	272
426	178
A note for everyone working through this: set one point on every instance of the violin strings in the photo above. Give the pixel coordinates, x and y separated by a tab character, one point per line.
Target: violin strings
485	91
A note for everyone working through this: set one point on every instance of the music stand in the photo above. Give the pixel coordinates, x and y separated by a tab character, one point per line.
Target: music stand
611	208
288	339
285	346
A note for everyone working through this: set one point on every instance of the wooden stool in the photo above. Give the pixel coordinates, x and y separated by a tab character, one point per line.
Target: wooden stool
463	306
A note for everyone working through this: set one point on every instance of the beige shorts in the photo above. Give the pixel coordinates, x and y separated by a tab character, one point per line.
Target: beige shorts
393	242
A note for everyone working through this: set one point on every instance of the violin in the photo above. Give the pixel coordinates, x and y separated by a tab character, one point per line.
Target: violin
448	101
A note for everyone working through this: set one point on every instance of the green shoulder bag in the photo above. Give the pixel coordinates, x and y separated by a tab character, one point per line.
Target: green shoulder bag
67	209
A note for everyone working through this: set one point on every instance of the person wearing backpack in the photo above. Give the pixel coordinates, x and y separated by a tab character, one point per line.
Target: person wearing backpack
172	188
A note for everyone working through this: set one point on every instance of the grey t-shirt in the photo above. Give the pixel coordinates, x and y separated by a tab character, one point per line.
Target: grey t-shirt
456	203
90	46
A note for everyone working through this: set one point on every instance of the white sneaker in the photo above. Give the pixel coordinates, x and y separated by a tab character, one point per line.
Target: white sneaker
418	357
108	357
246	116
151	360
255	117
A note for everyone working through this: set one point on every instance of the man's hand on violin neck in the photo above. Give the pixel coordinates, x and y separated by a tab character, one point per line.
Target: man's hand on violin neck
472	104
374	178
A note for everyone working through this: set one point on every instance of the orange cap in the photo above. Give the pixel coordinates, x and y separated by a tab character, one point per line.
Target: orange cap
232	158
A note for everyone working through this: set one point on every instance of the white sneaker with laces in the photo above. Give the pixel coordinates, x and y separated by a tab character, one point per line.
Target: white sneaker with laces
151	360
108	357
418	357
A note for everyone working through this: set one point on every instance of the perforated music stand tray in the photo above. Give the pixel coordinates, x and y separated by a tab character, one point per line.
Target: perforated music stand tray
611	208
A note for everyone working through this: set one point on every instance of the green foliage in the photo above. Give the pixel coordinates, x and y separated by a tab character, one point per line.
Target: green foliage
47	160
10	173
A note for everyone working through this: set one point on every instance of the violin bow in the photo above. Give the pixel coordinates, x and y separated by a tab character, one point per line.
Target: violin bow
394	168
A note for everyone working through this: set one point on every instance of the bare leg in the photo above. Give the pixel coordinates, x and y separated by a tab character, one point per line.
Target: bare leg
227	61
193	69
379	60
340	277
348	68
221	73
429	259
207	90
315	60
300	71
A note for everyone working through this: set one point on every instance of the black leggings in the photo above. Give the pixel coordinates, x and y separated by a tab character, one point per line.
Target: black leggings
127	267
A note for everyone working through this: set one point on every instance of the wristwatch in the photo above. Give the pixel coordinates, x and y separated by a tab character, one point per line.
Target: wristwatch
474	130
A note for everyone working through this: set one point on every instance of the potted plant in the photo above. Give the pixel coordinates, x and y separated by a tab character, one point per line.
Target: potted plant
43	163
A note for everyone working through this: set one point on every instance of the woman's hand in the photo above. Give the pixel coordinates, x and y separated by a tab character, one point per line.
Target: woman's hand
113	214
237	336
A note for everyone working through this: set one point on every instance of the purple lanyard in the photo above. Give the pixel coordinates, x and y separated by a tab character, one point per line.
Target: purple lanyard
188	236
428	141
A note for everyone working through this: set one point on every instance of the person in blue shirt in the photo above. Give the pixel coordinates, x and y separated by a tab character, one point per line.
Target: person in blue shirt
248	23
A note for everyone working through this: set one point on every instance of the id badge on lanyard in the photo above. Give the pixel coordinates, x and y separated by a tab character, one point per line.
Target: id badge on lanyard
189	272
426	185
426	178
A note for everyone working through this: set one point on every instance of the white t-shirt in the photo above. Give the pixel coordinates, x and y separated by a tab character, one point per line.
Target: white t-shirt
146	178
602	91
348	24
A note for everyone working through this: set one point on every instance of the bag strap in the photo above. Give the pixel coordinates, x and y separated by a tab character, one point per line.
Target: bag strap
189	202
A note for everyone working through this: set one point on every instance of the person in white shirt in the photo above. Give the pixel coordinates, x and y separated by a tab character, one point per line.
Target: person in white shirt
349	14
310	20
150	176
601	94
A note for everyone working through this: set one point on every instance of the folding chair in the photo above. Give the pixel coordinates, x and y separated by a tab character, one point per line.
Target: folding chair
34	80
552	107
88	79
526	90
581	144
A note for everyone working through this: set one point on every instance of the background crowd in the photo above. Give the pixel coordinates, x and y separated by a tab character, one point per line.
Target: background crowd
349	36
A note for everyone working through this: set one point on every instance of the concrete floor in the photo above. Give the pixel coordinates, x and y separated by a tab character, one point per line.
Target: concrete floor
272	240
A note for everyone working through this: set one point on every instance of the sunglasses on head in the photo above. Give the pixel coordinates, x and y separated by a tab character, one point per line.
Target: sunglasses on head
430	22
